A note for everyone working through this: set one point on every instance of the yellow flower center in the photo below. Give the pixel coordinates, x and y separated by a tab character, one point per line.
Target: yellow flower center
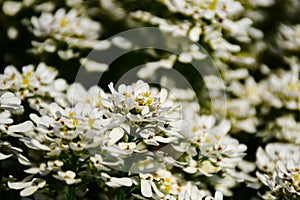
63	22
26	81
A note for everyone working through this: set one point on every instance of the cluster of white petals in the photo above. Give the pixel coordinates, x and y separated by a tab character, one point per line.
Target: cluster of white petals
279	166
72	27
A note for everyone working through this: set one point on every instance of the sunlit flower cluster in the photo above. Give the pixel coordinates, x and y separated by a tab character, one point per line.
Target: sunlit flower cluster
278	168
97	134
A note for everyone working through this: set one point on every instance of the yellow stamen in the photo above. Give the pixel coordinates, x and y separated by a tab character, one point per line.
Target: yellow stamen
26	81
91	122
75	122
213	5
63	22
71	114
195	129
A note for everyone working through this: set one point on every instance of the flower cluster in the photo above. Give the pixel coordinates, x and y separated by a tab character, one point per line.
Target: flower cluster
278	168
72	28
96	134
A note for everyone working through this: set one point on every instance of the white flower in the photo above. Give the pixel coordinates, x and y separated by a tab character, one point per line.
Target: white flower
68	177
95	96
99	163
11	8
72	27
116	182
29	186
127	146
31	82
34	170
168	183
78	146
54	165
147	185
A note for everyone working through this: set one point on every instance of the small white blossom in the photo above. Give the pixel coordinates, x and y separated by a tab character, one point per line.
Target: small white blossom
68	177
28	186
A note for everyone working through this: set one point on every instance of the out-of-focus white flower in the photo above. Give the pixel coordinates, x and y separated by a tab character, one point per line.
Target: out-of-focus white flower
289	37
150	68
65	24
11	8
261	3
282	88
12	33
72	27
193	53
93	66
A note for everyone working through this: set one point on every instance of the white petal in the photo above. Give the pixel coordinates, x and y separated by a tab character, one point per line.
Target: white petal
164	140
146	188
190	170
70	174
163	95
23	160
6	120
195	33
185	57
10	98
127	146
18	185
11	8
4	156
218	195
93	66
159	193
28	191
33	170
21	128
113	184
40	146
122	181
35	118
72	181
56	110
115	135
121	42
151	142
145	110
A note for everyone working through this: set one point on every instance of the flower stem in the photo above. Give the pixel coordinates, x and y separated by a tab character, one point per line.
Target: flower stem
122	194
71	192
